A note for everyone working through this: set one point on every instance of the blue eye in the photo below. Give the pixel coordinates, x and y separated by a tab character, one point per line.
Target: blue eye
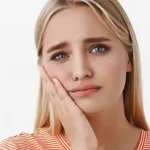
59	56
100	48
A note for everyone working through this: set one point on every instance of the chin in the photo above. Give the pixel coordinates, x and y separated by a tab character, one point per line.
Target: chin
89	106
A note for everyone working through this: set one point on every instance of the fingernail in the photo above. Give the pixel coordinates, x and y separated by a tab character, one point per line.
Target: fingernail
55	80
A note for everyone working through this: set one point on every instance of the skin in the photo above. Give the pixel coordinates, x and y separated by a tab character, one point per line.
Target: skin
103	63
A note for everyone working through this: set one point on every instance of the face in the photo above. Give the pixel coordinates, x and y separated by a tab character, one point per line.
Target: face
78	50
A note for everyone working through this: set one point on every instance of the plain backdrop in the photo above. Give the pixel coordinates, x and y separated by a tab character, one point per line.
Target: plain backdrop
19	76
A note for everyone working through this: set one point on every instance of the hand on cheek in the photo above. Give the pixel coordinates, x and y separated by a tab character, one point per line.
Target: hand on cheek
71	116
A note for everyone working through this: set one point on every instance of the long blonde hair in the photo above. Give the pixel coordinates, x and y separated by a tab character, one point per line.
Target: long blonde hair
112	15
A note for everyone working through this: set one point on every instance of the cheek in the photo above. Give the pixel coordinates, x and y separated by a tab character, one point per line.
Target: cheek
116	77
112	73
54	71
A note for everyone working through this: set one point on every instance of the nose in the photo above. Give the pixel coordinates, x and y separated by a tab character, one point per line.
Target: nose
81	70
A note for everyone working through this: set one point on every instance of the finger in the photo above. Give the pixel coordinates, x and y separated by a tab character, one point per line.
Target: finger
48	84
60	95
46	77
65	98
60	89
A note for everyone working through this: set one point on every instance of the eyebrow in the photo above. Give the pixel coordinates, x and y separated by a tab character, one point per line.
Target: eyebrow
62	45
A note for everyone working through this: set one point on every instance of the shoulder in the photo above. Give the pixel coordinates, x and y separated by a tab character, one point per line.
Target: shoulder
146	140
38	140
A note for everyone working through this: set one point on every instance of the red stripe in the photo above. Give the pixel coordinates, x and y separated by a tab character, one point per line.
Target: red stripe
142	141
65	141
42	141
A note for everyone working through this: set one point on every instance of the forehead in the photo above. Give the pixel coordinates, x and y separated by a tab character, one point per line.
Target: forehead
74	24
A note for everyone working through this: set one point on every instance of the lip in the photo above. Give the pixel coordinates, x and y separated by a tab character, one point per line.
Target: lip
85	90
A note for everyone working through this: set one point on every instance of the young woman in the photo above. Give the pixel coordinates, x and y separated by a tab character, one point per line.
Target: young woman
90	93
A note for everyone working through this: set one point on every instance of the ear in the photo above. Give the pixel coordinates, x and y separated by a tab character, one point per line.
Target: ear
129	66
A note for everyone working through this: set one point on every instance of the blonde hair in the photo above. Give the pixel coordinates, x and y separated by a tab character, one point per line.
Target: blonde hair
112	15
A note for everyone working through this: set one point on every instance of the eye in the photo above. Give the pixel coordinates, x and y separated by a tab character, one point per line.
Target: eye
100	48
59	55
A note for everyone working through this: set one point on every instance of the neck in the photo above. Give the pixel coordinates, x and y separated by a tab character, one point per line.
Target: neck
112	129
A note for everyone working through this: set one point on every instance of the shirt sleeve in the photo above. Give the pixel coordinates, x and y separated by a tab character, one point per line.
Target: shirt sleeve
8	144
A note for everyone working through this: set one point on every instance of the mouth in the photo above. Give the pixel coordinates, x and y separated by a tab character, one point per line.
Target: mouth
85	91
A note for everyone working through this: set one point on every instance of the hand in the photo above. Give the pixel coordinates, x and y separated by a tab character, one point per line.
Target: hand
75	123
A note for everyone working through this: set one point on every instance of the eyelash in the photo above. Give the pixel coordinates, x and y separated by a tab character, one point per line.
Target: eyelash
106	48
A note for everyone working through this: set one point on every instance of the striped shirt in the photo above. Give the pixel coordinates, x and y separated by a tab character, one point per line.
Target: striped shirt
41	140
